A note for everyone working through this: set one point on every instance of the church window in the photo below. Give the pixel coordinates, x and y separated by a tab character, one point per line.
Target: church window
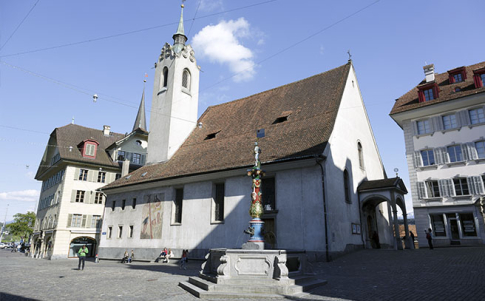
361	155
186	79
179	196
347	187
120	231
110	231
113	205
165	77
130	233
268	194
218	203
133	204
123	203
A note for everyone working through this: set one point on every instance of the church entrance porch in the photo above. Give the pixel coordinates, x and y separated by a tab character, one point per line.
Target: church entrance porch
380	201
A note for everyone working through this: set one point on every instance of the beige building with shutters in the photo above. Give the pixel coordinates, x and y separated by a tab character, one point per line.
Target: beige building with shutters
76	163
443	120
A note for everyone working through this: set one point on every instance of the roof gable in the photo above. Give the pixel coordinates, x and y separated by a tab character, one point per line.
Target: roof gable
313	103
68	139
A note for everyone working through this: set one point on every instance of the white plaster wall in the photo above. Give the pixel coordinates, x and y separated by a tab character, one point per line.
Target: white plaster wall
351	126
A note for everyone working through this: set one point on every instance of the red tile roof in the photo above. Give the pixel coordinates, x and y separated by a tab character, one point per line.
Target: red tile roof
409	101
312	102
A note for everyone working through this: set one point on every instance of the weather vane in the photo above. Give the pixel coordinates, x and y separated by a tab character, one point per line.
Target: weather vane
350	56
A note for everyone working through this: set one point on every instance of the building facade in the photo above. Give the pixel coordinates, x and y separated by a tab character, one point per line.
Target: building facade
444	128
317	149
76	163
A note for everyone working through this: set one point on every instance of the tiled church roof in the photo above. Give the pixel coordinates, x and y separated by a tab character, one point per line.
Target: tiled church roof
310	106
409	101
70	136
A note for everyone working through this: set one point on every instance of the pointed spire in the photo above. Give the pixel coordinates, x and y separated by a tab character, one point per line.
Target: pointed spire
179	37
180	29
140	121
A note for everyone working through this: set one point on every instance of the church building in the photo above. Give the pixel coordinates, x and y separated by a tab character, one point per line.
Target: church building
325	190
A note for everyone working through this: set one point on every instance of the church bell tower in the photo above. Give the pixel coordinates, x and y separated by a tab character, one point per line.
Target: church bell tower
175	98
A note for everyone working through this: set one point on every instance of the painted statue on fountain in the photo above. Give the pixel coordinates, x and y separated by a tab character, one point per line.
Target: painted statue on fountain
255	229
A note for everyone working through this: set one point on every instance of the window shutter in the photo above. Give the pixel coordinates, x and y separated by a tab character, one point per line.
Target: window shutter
471	151
444	186
88	223
464	152
421	190
431	125
69	219
438	156
464	118
143	158
84	221
415	128
438	124
73	196
418	160
76	174
480	185
457	118
446	156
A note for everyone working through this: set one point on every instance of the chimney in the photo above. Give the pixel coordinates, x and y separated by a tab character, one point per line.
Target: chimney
106	130
429	72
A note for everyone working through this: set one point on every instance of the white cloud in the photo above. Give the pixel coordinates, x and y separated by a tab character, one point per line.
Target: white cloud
210	5
31	195
221	43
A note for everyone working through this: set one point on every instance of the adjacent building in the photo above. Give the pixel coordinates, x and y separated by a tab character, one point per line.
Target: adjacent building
78	161
443	121
325	188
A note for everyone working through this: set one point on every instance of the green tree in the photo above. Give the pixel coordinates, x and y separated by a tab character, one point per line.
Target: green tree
23	224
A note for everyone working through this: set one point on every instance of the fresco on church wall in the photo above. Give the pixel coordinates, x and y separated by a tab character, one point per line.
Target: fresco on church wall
152	217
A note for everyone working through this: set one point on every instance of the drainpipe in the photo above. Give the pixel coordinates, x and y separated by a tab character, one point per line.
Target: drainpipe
319	159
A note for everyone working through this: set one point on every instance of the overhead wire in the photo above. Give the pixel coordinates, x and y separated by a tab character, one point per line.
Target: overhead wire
20	24
129	32
208	87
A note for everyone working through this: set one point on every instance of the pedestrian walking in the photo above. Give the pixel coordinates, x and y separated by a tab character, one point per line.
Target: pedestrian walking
82	257
429	237
183	260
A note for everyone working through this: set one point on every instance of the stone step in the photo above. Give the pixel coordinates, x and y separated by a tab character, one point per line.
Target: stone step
262	287
202	294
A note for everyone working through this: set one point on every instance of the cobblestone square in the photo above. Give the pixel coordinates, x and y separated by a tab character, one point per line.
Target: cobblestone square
440	274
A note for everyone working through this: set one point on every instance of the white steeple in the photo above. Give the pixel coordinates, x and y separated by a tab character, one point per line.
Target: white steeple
175	98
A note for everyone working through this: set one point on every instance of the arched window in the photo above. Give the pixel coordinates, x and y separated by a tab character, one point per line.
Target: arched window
347	187
186	79
165	77
361	155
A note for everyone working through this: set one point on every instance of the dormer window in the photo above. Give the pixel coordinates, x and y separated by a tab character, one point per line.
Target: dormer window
283	117
211	136
457	75
89	148
479	77
428	92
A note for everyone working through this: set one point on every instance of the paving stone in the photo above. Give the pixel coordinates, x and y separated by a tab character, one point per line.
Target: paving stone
439	274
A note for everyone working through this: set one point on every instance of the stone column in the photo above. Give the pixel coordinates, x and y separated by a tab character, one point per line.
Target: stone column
396	229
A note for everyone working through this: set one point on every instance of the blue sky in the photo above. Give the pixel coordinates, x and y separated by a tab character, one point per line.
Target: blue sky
54	55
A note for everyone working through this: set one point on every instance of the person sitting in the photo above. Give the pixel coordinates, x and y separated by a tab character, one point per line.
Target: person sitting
162	255
125	257
183	260
168	256
132	256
